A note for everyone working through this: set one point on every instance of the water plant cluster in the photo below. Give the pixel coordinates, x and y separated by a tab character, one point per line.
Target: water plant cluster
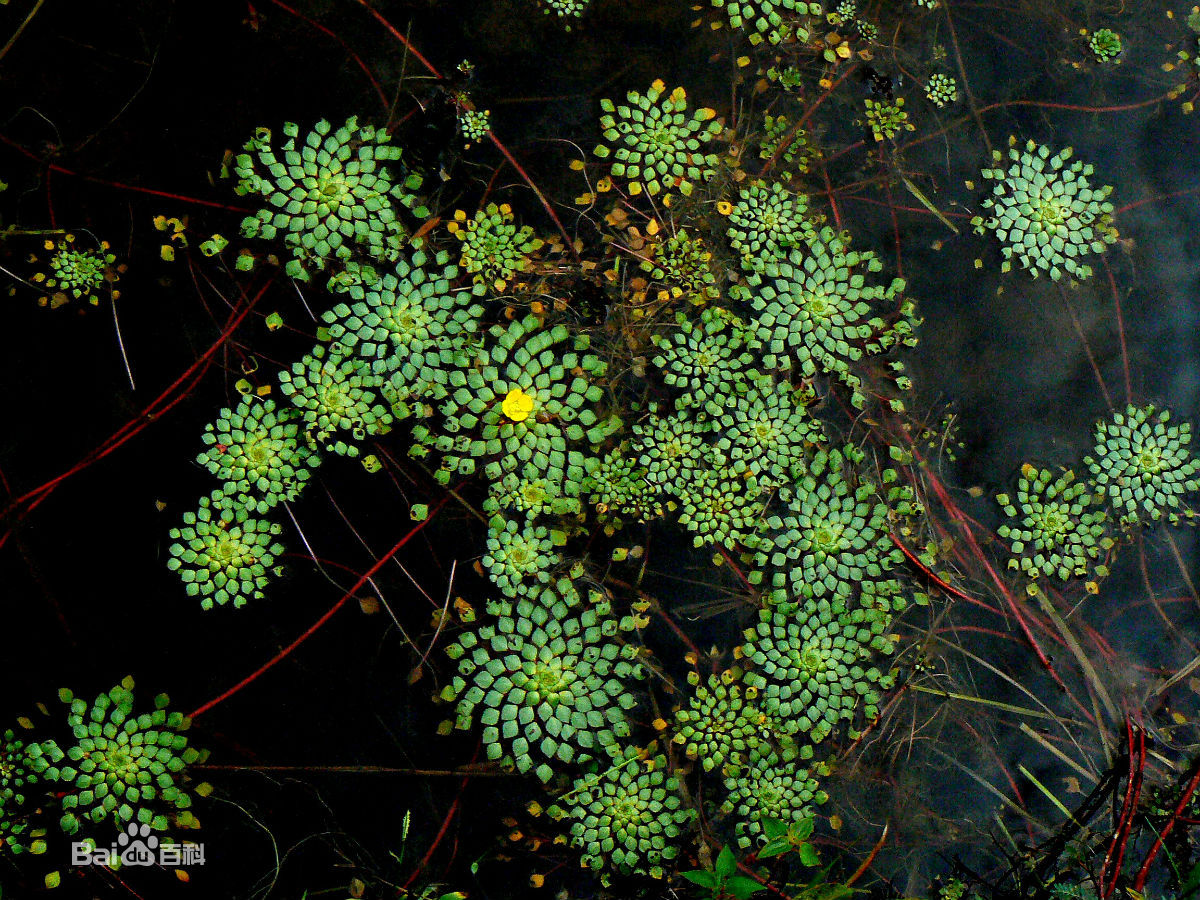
740	387
92	769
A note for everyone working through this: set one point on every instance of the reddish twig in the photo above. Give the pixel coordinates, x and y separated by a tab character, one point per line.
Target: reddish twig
312	629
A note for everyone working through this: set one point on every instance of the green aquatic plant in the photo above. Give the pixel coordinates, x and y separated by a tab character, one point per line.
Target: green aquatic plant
76	274
22	767
796	152
770	786
655	143
719	507
683	265
718	725
518	404
812	668
842	13
1105	45
1142	465
222	553
887	118
766	433
546	680
626	818
337	397
775	21
766	222
329	194
815	309
493	248
671	448
532	496
474	125
565	9
941	89
618	487
1046	213
868	31
832	541
1056	530
709	360
258	451
124	767
407	321
519	559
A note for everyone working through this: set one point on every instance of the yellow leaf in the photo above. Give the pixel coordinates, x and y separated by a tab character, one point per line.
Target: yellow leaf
167	252
835	822
535	808
659	724
577	165
537	880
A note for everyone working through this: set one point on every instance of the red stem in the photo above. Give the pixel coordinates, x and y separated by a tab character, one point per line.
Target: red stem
312	629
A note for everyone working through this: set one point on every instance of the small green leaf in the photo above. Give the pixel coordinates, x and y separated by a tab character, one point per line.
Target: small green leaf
703	877
741	887
726	862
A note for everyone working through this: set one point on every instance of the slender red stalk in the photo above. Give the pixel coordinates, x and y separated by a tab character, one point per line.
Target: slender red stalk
357	59
394	32
1140	881
312	629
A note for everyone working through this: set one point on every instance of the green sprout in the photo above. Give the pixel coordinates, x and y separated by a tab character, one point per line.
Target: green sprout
1047	214
258	451
407	321
1143	466
797	151
868	31
474	125
887	118
719	508
565	9
655	144
766	222
122	767
519	559
76	274
546	681
1055	530
330	194
832	541
682	264
718	725
335	396
776	21
618	487
518	404
493	248
812	669
766	434
222	554
815	309
722	880
532	496
769	786
842	13
941	89
627	817
709	360
22	766
1105	45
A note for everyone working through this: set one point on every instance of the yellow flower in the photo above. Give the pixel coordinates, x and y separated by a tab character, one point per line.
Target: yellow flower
517	405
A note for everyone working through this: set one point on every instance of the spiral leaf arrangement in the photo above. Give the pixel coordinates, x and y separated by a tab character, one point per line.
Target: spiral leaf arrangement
327	195
1045	212
655	143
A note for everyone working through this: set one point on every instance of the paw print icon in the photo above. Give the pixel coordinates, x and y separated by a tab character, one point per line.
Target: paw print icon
137	845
